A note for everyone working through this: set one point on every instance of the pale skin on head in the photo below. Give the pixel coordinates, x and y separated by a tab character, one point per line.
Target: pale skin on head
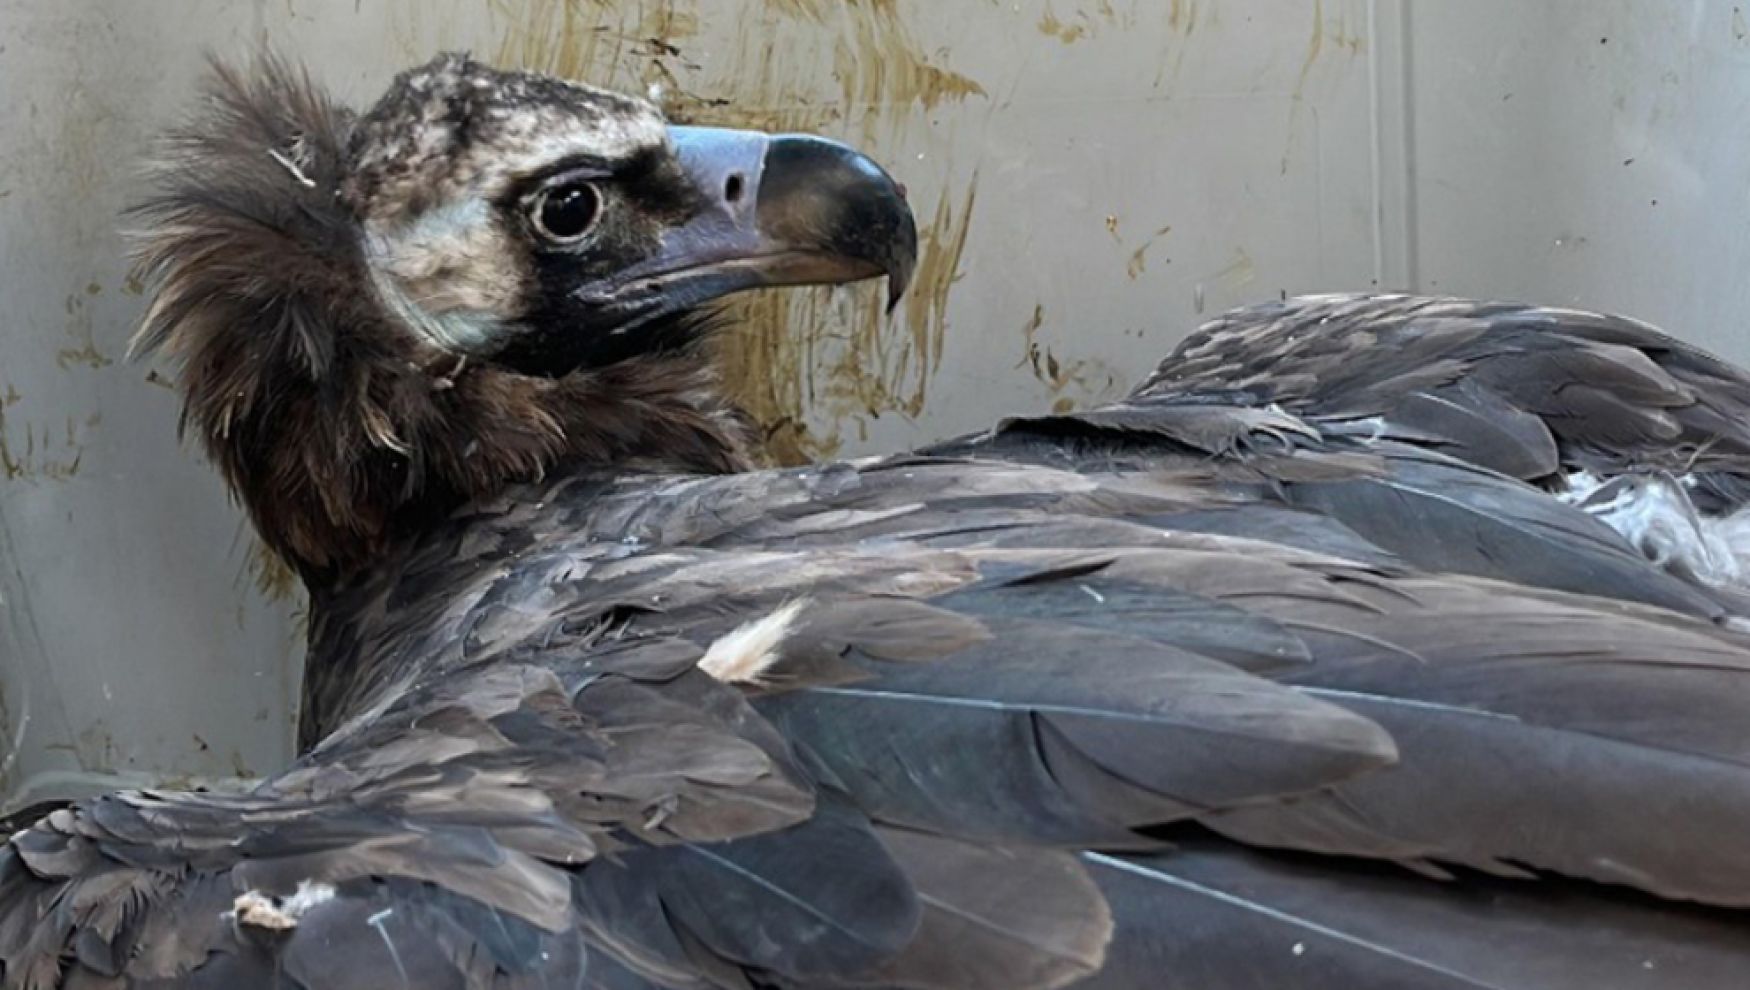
440	255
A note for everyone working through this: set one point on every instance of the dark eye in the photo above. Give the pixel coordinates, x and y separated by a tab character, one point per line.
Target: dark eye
564	214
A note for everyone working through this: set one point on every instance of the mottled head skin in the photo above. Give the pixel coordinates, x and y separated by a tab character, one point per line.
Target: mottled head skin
439	167
335	288
455	128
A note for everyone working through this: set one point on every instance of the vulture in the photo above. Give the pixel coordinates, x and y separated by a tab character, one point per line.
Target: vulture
1316	663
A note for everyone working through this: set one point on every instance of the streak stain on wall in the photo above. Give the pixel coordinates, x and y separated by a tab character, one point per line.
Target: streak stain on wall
44	452
1088	377
84	347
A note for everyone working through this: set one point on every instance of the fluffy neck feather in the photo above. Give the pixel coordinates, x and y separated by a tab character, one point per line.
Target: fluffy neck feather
337	428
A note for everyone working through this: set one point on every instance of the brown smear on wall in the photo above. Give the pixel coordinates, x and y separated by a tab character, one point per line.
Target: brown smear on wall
837	354
1086	20
812	367
883	71
45	452
84	350
942	243
1092	378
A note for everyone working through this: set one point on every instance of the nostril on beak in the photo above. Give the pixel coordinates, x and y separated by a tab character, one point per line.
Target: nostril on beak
733	189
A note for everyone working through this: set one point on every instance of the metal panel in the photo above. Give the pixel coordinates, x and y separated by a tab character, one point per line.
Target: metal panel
132	640
1587	152
1091	175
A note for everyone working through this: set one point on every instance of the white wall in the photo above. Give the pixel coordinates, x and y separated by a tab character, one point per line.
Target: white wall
128	626
1594	152
1092	175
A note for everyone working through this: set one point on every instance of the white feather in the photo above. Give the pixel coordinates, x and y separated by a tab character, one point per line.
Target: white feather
258	910
743	655
1654	513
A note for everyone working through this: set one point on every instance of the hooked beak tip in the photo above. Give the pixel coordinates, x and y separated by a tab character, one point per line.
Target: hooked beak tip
896	286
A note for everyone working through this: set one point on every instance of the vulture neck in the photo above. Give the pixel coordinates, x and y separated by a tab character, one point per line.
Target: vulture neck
334	485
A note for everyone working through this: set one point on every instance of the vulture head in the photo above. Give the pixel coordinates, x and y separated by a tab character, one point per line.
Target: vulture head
486	275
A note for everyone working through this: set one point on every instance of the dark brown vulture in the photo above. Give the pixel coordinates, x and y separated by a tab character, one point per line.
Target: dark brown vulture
1133	699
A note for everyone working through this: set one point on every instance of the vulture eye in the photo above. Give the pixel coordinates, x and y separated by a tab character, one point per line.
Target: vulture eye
564	214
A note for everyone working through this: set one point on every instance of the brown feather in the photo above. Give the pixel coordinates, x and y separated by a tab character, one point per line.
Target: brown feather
331	421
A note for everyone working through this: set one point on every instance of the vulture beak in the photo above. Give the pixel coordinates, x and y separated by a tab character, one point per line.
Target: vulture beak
777	210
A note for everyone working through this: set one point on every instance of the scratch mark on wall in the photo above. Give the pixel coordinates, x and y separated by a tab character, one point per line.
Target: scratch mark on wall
11	465
1181	25
22	639
14	737
1239	273
95	746
79	327
1346	38
811	9
1298	99
46	452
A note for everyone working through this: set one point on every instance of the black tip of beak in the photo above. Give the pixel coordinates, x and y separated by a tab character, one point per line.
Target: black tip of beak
794	209
824	193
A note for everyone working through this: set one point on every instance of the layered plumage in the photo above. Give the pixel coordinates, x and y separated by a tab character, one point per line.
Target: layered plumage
1645	432
1184	692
